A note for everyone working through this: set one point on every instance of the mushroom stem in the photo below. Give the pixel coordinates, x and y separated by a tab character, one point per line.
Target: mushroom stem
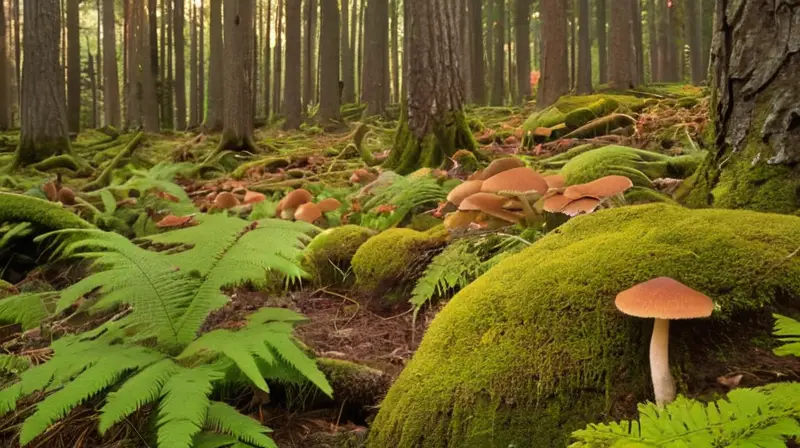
530	214
663	384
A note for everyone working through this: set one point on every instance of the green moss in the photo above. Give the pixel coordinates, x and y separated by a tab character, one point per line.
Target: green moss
641	195
599	108
49	215
384	259
424	222
687	102
329	253
535	347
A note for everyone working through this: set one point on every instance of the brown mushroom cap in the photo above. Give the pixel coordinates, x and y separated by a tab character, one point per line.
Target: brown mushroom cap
581	206
50	191
66	196
555	203
664	298
555	181
308	212
226	200
253	197
522	180
464	190
170	221
601	188
294	199
328	205
491	204
500	165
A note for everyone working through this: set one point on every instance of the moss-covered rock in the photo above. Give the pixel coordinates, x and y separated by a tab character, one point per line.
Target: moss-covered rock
535	348
466	161
583	115
330	252
387	258
47	215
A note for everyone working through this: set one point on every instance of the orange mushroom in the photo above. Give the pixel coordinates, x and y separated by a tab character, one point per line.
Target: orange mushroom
172	221
602	188
308	212
66	196
50	191
328	205
464	190
253	197
581	206
491	204
226	200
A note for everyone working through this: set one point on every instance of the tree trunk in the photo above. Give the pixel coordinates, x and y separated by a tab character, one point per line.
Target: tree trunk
73	67
133	110
622	67
329	62
510	94
18	55
278	104
309	51
601	41
573	44
152	17
432	124
489	43
93	86
201	67
523	45
652	28
5	122
584	85
239	20
498	73
111	82
257	24
361	36
375	56
675	50
194	107
395	53
554	81
291	87
696	43
98	69
638	40
216	68
149	101
44	130
267	61
169	118
346	47
180	66
465	40
755	110
162	72
477	61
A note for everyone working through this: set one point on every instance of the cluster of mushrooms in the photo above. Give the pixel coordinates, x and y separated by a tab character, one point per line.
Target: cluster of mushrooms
57	193
508	192
298	205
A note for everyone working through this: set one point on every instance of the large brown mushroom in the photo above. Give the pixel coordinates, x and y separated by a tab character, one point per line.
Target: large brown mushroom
602	188
521	183
308	212
463	191
328	205
226	200
663	299
292	201
580	206
490	204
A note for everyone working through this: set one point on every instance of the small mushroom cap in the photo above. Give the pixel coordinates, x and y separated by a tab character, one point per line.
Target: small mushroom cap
664	298
556	203
500	165
308	212
226	200
555	181
581	206
601	188
253	197
522	180
295	199
170	221
464	190
66	196
490	204
50	191
328	205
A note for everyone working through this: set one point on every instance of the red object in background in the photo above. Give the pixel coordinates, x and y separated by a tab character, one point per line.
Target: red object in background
535	78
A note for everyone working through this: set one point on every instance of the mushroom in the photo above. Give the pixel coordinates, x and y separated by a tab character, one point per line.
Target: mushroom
50	191
555	203
291	201
253	197
171	221
226	200
555	181
66	196
498	166
491	204
580	206
328	205
605	187
463	191
522	183
308	212
664	299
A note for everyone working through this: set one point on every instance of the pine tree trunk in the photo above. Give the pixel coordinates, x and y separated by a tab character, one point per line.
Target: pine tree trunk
162	72
99	61
254	79
352	97
523	45
44	131
169	118
584	85
329	62
267	61
465	40
755	96
5	119
395	53
291	87
638	41
696	43
73	67
498	73
111	82
602	41
277	101
573	44
433	124
93	85
201	67
133	111
239	20
488	44
193	88
149	103
18	56
216	68
309	53
510	69
477	61
675	61
346	47
152	16
180	66
376	53
360	58
554	81
652	28
622	67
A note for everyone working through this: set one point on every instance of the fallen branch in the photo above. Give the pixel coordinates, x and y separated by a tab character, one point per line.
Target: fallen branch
105	177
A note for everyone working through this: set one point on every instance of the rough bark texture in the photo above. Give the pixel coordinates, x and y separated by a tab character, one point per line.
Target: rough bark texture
523	46
44	130
498	72
309	51
148	77
346	47
555	71
5	118
376	57
73	67
111	104
756	109
395	53
638	40
169	87
194	106
93	87
329	62
573	46
277	103
238	60
18	53
584	85
267	60
152	17
133	93
696	43
291	88
432	124
201	66
602	43
216	68
464	28
477	61
162	69
622	67
180	66
652	14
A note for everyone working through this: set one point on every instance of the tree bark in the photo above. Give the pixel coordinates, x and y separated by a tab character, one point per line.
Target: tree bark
133	110
267	61
216	68
152	17
584	85
432	124
169	118
638	40
180	66
194	107
601	41
395	53
18	55
149	101
652	28
554	81
346	47
99	59
498	72
201	67
361	36
573	44
477	61
510	94
755	100
696	43
329	62
464	25
111	82
622	67
523	45
291	89
376	61
73	67
162	72
44	130
278	104
309	51
5	119
93	86
239	20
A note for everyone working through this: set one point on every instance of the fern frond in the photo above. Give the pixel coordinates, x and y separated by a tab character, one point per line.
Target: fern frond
404	194
13	364
27	310
455	267
137	391
10	232
184	406
285	349
789	331
763	417
225	419
212	440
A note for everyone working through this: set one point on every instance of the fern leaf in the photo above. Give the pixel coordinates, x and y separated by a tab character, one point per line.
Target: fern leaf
13	364
789	332
455	267
226	419
286	350
265	315
137	391
184	405
27	310
233	345
212	440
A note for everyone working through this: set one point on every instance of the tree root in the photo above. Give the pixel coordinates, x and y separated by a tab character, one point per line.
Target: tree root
602	126
105	177
21	208
63	161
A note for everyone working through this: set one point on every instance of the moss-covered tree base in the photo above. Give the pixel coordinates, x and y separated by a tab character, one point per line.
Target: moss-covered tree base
44	214
535	348
232	141
30	154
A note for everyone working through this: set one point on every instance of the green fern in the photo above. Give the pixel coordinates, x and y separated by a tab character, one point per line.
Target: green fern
404	194
789	332
12	364
28	310
454	268
184	405
227	420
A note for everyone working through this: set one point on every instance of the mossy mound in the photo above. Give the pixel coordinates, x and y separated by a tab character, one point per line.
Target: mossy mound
535	348
638	165
583	115
330	252
47	215
387	258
